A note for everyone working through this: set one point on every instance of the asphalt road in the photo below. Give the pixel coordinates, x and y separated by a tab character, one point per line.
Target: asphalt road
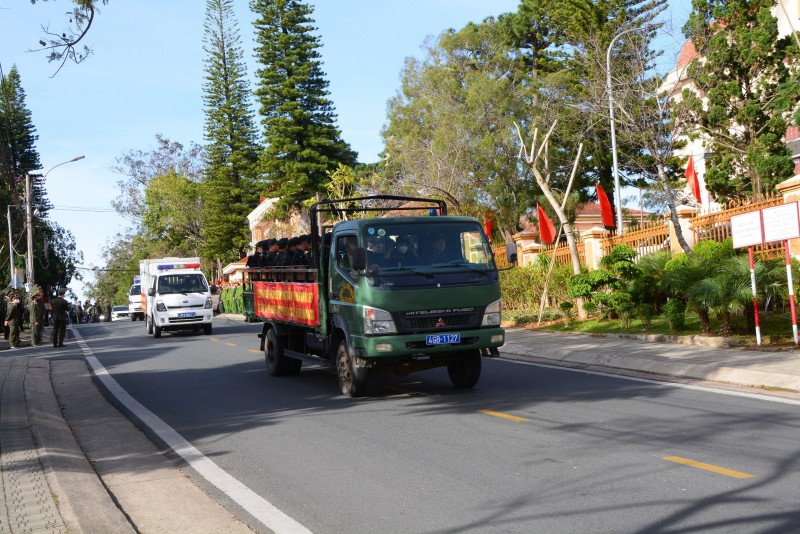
530	449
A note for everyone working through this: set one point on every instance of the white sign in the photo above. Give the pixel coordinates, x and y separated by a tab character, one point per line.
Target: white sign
746	229
781	222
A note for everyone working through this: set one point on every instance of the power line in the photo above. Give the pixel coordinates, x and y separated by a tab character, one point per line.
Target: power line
84	208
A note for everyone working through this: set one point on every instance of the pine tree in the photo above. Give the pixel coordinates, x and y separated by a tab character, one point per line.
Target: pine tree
18	155
745	76
229	188
298	119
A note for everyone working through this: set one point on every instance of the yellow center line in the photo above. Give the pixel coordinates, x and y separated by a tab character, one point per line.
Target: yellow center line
504	416
231	344
214	339
254	350
708	467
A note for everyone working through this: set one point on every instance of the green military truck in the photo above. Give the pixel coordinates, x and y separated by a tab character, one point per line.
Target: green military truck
400	292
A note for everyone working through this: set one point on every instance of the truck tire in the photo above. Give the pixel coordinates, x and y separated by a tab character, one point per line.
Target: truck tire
149	325
465	371
352	379
156	331
133	317
207	329
273	354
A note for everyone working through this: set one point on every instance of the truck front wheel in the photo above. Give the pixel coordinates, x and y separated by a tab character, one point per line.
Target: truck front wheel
156	331
352	379
465	371
149	325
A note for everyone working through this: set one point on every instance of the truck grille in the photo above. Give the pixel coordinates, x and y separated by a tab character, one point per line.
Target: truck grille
439	320
184	306
450	321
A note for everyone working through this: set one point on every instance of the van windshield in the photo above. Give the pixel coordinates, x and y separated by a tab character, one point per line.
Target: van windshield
182	283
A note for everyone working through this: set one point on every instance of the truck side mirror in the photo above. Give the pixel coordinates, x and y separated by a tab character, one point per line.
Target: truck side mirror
359	259
151	292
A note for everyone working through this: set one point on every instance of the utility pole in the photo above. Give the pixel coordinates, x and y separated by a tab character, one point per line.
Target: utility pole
29	231
617	192
10	249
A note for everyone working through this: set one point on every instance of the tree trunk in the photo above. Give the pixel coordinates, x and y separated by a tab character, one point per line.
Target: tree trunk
673	211
705	320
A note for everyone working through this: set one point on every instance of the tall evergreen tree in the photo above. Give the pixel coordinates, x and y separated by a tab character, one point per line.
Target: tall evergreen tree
746	78
298	120
229	190
18	156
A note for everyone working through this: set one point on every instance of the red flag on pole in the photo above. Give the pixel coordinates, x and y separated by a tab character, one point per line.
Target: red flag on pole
547	232
691	177
606	211
488	225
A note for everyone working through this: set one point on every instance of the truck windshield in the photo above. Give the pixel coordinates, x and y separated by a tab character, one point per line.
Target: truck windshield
136	290
426	247
182	283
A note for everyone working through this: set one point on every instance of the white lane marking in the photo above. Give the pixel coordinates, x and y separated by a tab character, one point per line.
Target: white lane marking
756	396
257	506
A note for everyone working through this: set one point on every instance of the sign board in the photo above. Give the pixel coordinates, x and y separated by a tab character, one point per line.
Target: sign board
781	222
747	230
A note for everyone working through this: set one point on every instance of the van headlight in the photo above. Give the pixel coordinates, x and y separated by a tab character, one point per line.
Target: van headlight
160	306
378	321
208	303
492	316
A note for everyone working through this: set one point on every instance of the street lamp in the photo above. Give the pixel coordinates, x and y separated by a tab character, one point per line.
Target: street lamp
617	193
29	220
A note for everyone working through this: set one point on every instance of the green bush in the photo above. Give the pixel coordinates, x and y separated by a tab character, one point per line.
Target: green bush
522	287
675	313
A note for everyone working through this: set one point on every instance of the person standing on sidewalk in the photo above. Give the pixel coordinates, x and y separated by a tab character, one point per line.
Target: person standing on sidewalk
36	312
13	319
59	310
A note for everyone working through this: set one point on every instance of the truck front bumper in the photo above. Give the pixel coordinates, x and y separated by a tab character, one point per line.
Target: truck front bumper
413	345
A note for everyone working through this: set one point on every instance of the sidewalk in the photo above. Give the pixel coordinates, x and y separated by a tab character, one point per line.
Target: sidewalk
70	462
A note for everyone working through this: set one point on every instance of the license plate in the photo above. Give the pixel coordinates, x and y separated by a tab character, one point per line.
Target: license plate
185	314
442	339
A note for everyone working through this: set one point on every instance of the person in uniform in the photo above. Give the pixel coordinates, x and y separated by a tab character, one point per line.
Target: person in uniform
3	310
36	312
59	310
12	320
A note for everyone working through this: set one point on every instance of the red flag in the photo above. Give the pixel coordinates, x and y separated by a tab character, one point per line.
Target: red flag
606	211
547	232
691	177
488	225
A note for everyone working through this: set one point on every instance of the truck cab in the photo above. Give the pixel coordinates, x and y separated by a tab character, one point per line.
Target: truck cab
135	301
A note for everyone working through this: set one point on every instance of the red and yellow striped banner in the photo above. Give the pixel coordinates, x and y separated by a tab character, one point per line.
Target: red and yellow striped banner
287	301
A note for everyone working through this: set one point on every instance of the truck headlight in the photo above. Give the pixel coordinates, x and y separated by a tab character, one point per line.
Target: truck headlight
208	303
492	316
378	321
160	306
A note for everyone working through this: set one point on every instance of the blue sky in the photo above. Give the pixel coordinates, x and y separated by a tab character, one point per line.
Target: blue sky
145	78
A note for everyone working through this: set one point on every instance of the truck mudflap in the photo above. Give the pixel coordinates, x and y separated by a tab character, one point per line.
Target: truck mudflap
417	346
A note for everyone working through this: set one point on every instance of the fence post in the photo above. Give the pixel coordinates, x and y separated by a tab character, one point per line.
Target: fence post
527	247
592	240
790	189
685	214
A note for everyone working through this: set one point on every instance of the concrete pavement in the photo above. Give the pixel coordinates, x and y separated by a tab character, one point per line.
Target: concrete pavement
71	462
